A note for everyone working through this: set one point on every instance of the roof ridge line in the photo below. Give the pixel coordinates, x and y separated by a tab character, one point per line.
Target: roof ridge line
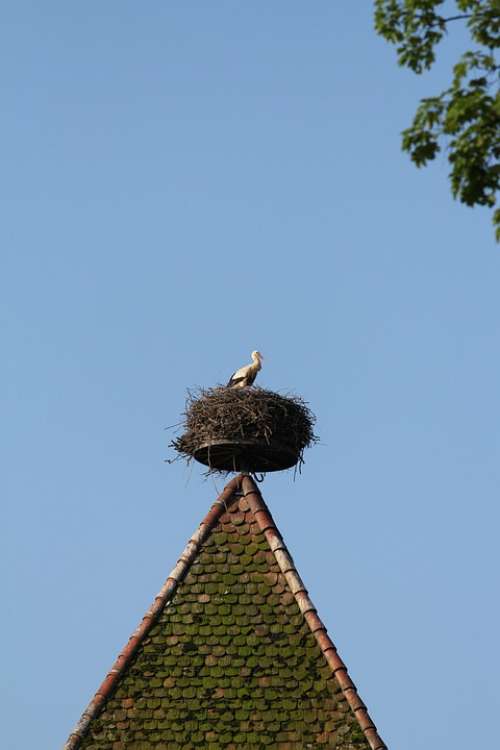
278	547
218	508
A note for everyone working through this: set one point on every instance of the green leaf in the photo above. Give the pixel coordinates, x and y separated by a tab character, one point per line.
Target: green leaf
464	120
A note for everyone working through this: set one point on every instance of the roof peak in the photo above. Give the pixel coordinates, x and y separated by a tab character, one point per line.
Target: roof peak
242	490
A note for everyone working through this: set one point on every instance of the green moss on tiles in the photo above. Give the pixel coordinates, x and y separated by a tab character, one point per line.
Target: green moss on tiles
229	663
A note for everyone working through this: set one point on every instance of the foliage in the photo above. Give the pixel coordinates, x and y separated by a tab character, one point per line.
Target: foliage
465	118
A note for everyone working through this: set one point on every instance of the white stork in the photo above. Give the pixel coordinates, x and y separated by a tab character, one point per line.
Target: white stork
247	374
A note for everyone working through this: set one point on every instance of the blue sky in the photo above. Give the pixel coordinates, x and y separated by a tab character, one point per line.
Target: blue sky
183	182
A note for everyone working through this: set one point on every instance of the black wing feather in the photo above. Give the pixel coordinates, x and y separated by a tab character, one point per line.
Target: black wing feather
232	380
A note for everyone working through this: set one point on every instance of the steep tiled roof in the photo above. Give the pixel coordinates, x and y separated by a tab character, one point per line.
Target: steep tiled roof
232	653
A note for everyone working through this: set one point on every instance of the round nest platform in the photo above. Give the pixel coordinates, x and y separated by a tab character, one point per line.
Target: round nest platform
245	429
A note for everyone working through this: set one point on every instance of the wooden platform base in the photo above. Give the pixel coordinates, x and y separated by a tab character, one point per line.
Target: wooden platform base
246	455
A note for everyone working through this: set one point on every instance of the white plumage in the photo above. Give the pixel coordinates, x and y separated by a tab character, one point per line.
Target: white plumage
247	374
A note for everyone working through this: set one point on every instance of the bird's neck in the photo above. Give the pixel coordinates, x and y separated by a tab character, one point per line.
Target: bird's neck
256	361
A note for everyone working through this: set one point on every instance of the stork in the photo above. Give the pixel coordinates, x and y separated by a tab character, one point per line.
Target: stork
247	374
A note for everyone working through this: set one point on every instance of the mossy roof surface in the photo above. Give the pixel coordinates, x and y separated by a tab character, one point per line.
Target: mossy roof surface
230	663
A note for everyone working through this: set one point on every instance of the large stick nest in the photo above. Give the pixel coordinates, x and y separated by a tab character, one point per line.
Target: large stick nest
245	415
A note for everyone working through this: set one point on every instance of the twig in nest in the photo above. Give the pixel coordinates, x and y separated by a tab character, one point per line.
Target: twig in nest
249	413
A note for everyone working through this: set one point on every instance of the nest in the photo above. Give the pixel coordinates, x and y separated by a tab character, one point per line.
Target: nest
245	429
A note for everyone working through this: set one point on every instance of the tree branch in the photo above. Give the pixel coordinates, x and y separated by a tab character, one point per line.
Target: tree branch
456	18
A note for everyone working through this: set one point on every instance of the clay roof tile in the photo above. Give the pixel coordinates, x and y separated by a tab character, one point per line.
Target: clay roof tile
232	652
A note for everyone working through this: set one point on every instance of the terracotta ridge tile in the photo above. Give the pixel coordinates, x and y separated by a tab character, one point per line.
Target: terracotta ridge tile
263	517
166	593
